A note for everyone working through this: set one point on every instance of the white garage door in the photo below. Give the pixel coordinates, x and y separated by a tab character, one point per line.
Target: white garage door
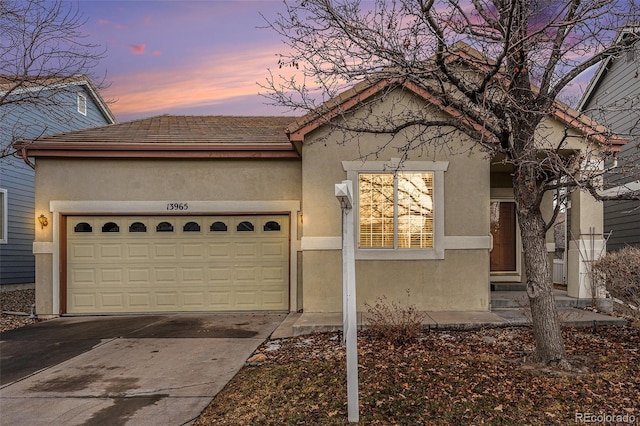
177	263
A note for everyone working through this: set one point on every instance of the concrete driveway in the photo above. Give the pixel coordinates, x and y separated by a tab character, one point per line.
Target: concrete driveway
135	370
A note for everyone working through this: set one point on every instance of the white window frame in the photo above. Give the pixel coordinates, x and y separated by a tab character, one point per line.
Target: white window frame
4	232
82	104
354	168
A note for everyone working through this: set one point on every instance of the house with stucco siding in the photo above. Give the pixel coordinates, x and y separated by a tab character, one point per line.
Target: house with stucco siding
217	213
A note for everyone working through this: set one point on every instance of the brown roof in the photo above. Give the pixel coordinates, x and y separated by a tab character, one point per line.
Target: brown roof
172	136
299	128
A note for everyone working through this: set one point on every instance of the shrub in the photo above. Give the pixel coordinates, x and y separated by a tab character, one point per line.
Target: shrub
619	272
393	323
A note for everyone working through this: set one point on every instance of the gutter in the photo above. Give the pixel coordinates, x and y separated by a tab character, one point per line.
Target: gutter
23	151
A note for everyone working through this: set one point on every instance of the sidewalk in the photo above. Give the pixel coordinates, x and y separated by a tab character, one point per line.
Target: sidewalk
297	324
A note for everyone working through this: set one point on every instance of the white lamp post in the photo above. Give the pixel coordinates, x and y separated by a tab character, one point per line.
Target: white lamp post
343	192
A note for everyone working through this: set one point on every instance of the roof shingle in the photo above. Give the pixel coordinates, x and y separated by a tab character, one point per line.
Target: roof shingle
230	136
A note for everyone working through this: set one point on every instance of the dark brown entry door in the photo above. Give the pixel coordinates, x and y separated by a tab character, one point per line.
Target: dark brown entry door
503	230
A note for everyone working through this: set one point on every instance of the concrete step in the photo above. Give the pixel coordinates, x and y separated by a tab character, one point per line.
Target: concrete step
508	287
309	322
519	299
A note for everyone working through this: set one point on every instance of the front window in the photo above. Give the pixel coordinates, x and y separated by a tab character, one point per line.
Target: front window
395	210
399	208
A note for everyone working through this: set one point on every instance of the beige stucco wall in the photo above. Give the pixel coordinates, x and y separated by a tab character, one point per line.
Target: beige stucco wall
452	284
460	281
176	180
171	179
44	284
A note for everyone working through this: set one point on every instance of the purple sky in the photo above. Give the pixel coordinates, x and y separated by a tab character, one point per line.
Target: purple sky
188	57
184	57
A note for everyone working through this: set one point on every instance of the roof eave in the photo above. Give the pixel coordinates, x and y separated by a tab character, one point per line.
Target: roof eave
100	102
588	127
139	150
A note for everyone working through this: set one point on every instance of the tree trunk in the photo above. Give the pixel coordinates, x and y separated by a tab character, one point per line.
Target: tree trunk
546	324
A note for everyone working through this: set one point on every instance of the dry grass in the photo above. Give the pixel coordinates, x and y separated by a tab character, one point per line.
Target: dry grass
442	378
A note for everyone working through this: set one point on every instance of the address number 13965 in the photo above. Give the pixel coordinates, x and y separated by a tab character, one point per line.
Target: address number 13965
177	206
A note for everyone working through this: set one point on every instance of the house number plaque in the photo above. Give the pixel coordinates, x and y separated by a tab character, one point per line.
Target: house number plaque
177	206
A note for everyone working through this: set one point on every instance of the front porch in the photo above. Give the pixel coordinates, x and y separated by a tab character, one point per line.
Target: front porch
508	308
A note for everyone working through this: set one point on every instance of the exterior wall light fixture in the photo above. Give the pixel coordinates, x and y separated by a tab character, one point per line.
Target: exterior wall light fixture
43	221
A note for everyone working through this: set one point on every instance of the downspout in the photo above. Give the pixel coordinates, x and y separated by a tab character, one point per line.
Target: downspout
23	151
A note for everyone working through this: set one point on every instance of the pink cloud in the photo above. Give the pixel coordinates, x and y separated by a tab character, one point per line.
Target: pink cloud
147	20
157	53
213	81
138	49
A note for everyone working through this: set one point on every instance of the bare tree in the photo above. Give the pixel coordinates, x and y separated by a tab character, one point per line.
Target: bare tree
522	54
42	49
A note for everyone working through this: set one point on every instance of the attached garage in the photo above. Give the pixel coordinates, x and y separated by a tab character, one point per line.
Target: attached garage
169	214
118	264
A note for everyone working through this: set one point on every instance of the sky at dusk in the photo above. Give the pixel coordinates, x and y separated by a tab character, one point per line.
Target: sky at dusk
184	57
189	57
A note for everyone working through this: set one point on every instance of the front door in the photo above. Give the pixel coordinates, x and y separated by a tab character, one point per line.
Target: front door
503	230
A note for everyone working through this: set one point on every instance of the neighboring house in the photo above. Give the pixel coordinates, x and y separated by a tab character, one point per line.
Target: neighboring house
66	105
183	213
613	99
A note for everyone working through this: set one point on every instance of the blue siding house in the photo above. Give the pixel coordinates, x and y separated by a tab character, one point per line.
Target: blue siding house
35	109
613	99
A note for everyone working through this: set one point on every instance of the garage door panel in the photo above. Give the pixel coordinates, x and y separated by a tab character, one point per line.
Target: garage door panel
138	251
110	251
194	299
193	251
139	276
193	275
167	299
274	249
202	264
84	252
111	276
83	276
112	300
248	274
220	250
221	274
139	301
246	251
274	273
219	300
84	301
246	299
273	298
166	251
166	275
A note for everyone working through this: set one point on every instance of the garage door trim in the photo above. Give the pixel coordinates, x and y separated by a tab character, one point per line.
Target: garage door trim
62	208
